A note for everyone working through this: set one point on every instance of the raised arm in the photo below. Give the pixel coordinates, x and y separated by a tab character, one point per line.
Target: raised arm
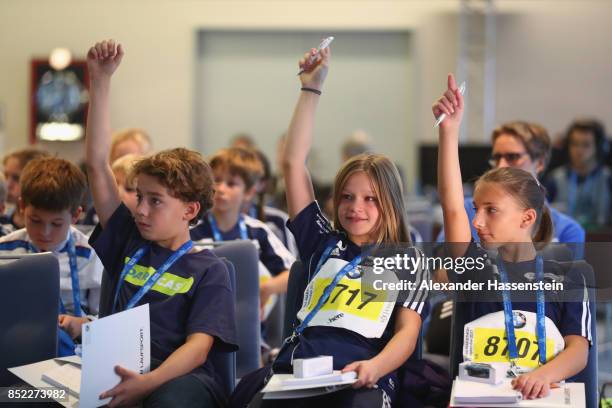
450	187
300	192
102	61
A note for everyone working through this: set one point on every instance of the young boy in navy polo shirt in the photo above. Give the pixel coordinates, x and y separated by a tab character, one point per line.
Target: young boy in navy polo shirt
236	172
191	304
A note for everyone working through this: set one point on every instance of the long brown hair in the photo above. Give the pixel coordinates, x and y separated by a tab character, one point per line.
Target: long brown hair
392	224
529	193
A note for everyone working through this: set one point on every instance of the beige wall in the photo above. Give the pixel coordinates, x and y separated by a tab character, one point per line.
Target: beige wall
553	56
154	87
554	61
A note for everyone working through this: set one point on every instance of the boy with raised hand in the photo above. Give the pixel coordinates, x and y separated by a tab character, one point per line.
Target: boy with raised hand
191	302
49	203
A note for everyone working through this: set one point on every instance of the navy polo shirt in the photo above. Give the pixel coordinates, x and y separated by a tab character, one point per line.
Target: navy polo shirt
568	309
313	232
193	296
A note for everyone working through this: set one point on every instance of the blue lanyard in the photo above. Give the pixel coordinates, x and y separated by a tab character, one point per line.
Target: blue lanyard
508	318
217	233
74	276
328	290
153	278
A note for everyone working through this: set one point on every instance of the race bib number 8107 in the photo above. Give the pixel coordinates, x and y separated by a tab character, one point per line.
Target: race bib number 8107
491	345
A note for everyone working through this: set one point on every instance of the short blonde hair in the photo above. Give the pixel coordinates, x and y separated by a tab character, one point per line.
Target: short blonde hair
125	164
140	136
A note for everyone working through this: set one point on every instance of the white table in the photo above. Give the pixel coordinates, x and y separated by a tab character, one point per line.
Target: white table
32	374
570	395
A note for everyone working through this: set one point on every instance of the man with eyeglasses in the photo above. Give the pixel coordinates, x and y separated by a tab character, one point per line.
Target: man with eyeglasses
527	146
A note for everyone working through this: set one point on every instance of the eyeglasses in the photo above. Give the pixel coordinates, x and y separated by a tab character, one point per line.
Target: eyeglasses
511	158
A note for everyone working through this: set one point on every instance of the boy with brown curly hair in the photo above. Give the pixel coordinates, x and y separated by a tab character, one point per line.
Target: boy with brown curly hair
149	257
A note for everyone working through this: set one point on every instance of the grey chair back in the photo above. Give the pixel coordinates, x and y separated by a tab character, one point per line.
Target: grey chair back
29	306
245	258
224	361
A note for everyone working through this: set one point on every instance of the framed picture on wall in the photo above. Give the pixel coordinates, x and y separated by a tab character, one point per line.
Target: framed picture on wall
58	101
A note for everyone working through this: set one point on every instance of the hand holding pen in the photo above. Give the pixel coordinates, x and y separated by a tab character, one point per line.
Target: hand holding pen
449	107
313	73
314	54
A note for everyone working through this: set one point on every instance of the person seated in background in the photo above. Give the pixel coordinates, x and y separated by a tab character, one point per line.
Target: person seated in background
583	187
124	142
243	140
236	173
130	141
357	143
122	169
51	193
14	163
257	207
127	187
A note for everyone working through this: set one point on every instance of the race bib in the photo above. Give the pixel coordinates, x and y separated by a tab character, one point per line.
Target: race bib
485	339
351	305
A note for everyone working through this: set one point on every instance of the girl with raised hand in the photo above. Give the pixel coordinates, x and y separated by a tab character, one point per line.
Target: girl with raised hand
552	335
372	334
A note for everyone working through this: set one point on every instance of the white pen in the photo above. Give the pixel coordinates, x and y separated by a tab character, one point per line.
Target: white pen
443	116
324	44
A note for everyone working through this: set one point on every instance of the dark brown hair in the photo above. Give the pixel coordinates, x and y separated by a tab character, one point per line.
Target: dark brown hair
527	191
183	172
596	128
53	184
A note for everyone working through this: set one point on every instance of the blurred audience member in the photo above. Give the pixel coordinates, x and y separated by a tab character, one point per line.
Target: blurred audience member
582	188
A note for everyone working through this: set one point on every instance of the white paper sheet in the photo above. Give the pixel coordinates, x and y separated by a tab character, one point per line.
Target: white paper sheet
287	386
121	339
